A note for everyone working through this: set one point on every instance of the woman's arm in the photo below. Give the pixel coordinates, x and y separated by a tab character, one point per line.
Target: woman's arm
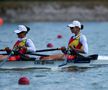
83	41
30	46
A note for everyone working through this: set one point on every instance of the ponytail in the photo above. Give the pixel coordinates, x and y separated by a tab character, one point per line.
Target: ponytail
82	27
28	29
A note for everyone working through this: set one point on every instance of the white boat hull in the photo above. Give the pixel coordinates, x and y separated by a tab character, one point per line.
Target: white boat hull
38	64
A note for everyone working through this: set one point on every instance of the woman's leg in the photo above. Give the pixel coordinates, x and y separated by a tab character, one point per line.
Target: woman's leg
53	57
3	57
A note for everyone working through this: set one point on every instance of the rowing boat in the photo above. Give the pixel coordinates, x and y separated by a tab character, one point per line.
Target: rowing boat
48	64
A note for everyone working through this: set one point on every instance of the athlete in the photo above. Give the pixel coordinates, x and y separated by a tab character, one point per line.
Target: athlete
76	45
22	45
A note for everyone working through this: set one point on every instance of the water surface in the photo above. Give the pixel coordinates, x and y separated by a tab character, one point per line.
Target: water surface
44	32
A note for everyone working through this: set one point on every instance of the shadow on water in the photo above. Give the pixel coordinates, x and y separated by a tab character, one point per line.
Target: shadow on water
75	69
66	69
25	71
82	69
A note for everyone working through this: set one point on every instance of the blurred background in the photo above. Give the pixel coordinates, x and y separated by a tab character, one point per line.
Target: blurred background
53	10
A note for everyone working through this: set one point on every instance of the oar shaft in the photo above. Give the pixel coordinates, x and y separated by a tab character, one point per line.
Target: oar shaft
2	50
48	50
6	59
38	54
4	54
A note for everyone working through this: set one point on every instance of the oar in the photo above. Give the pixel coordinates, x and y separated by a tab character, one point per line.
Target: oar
4	54
2	50
64	62
44	50
6	59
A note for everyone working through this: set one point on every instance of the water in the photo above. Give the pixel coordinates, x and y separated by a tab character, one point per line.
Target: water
43	33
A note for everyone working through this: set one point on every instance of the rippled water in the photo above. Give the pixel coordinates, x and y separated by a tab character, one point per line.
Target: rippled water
43	33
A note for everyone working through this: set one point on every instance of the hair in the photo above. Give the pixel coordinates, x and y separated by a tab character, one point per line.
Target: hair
28	29
82	27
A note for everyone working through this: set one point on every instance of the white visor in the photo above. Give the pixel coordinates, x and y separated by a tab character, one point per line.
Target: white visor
75	23
20	29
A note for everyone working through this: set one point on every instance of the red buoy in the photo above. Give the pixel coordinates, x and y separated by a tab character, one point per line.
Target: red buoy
50	45
24	81
59	36
1	22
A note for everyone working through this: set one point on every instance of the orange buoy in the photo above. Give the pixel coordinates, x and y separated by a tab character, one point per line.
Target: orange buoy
59	36
24	81
1	21
50	45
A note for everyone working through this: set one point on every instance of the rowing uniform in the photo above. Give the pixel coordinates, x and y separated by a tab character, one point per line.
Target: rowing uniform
24	42
27	43
77	42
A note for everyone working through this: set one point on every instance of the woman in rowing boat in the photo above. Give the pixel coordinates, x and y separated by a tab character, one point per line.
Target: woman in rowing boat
77	44
22	45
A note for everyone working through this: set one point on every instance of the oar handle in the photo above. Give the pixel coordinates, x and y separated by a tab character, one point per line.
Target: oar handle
48	50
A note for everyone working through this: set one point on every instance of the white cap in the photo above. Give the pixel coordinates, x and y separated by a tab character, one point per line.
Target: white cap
20	29
75	23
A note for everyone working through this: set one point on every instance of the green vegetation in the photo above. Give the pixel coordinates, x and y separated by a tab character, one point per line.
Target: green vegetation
85	3
53	10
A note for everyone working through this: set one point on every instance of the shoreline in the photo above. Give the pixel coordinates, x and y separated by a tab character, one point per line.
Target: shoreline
53	11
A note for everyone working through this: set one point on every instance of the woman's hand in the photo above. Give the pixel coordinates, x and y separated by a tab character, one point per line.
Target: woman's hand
64	50
72	48
23	49
7	49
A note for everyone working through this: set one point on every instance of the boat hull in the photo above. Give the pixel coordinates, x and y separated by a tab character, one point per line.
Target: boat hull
48	64
38	64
